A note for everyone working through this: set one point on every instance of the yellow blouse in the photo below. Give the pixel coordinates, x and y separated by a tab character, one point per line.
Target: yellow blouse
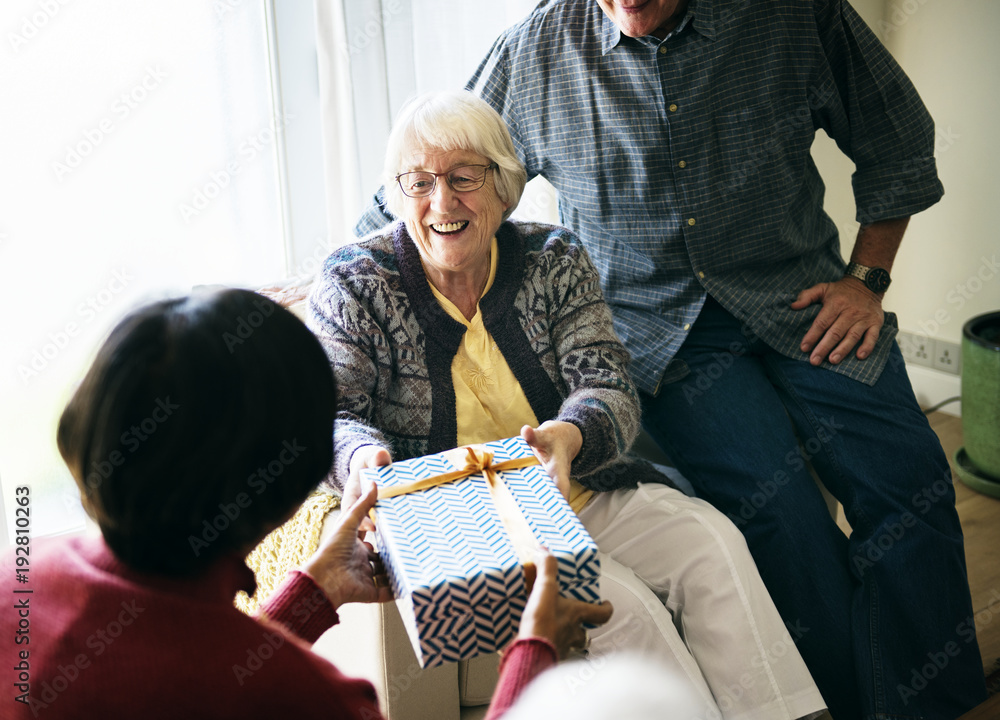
489	402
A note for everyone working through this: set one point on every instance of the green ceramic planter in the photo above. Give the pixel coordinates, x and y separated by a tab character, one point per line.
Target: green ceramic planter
981	397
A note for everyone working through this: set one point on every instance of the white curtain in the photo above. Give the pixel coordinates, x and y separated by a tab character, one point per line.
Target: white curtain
376	54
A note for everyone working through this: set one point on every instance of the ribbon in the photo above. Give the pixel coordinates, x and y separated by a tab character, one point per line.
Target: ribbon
478	460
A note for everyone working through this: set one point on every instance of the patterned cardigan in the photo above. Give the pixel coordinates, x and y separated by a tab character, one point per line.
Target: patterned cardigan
391	346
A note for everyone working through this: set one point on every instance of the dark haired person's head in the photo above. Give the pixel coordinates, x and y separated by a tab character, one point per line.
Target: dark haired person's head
202	424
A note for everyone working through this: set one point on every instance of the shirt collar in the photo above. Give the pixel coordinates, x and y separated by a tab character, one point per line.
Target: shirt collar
699	15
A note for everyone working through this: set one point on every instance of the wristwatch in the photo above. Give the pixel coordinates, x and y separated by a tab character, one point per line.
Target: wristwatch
875	279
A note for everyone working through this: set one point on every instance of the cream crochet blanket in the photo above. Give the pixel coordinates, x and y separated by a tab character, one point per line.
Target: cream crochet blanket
286	548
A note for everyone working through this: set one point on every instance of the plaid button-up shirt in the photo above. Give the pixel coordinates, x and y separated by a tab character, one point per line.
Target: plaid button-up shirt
684	164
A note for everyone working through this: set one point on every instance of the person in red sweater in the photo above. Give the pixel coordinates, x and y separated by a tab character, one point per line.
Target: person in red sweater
202	425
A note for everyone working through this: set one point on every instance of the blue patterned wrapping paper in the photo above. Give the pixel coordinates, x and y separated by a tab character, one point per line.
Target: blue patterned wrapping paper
458	582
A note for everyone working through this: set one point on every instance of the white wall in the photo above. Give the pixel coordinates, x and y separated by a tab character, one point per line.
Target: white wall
945	271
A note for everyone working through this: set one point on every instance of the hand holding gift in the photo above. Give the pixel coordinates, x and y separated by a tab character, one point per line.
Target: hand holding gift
555	443
347	569
550	616
369	456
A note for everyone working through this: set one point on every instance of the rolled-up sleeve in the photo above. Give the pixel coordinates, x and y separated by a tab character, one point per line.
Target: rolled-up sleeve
877	118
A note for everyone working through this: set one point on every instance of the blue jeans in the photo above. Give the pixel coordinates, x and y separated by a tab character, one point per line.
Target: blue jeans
883	619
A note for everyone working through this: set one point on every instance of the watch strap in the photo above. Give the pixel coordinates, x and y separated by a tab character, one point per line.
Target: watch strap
856	270
875	279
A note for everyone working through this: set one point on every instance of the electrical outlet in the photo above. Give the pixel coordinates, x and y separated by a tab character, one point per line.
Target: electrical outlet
916	349
947	357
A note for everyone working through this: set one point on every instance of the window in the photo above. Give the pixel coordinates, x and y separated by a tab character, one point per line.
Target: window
380	53
147	149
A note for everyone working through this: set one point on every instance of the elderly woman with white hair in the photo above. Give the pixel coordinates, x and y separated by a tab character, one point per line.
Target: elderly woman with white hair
457	326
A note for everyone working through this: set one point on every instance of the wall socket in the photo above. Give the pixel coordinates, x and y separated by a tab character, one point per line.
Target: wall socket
919	349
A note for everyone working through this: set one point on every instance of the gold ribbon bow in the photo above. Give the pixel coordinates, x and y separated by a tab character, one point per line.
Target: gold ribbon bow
478	460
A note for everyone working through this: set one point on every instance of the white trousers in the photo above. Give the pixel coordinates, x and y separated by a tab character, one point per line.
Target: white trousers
686	591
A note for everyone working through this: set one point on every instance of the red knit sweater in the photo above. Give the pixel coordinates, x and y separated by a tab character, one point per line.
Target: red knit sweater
91	638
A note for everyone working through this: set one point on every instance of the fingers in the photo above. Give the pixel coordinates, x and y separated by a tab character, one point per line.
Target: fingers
842	336
871	337
379	458
837	342
367	500
545	586
818	330
530	573
368	456
357	514
809	296
594	614
352	491
850	318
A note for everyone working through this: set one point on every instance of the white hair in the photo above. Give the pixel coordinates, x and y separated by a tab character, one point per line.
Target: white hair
453	120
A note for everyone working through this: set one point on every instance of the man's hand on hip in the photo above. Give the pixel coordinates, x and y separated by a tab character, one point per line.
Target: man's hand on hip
851	314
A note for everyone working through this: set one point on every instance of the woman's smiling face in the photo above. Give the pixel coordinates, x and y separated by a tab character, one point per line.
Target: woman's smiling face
452	229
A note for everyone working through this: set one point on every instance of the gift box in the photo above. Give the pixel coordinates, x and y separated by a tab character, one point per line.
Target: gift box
452	551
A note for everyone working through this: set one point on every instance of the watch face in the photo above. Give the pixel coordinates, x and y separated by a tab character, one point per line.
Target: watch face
877	280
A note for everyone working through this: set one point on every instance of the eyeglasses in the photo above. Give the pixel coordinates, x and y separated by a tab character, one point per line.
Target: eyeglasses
462	179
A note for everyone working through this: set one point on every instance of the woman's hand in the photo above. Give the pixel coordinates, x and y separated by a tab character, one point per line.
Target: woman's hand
367	456
347	569
556	443
552	617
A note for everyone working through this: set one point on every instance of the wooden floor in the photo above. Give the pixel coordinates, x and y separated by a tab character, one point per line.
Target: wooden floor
980	516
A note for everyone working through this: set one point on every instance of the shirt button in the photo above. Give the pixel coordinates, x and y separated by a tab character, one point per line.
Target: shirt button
690	221
701	275
672	108
663	51
682	164
687	326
